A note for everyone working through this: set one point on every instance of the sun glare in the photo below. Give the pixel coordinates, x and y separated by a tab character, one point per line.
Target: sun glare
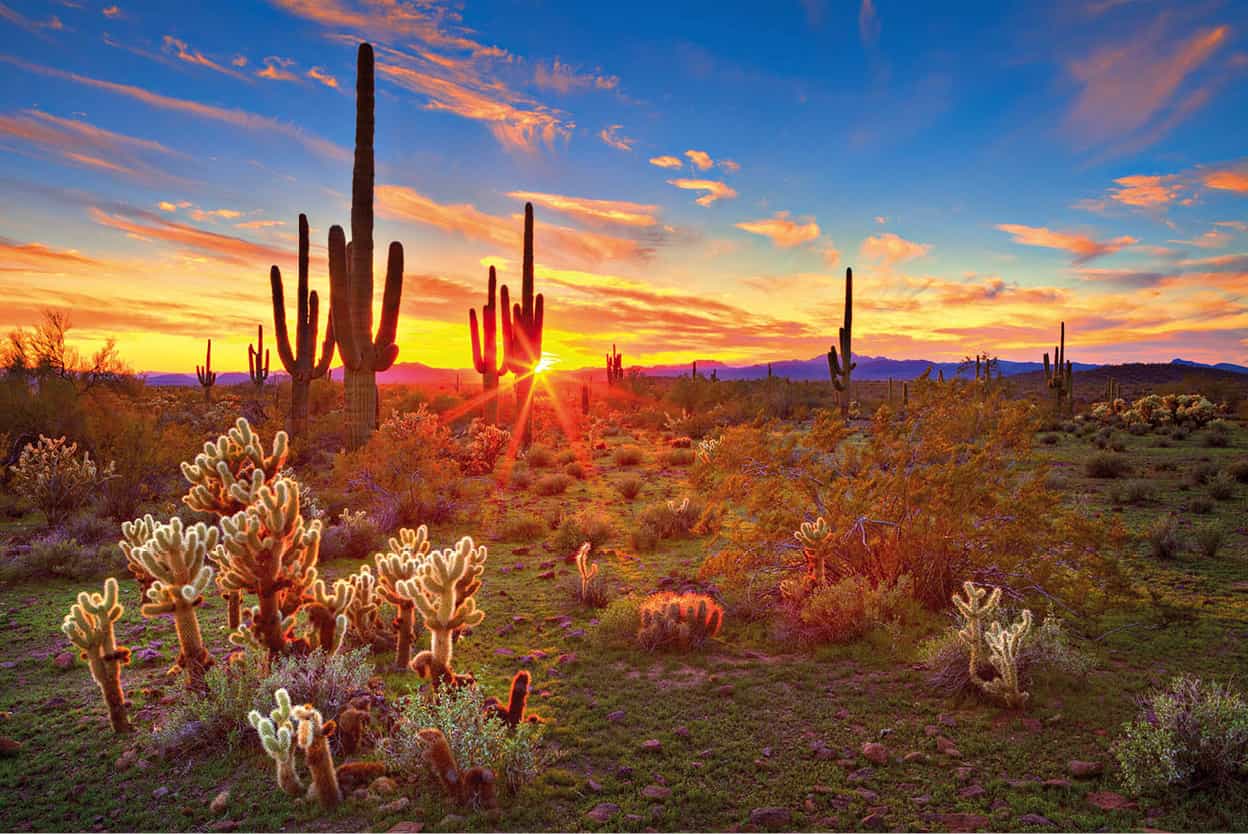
548	361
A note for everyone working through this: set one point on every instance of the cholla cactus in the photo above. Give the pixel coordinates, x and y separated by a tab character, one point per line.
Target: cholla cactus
364	611
168	559
816	540
1003	645
277	736
52	477
591	590
89	626
267	550
327	614
978	606
236	458
399	564
683	621
313	738
706	449
443	591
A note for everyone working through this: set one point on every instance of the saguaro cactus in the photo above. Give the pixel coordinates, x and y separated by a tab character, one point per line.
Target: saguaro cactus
522	331
204	373
1060	377
169	559
301	363
841	366
485	356
258	360
89	626
277	736
402	563
585	399
615	367
351	278
443	592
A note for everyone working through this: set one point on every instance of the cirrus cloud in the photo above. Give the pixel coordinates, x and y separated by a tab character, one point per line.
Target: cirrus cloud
782	231
1081	246
714	189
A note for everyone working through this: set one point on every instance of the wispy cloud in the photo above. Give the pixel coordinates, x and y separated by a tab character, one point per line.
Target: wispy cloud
783	231
611	135
1081	246
1228	179
179	49
868	23
111	12
277	68
1147	191
672	162
145	226
318	74
890	249
53	23
714	189
598	212
700	159
565	79
81	143
36	257
237	118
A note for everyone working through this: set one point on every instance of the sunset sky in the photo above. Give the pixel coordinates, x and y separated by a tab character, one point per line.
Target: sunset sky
702	172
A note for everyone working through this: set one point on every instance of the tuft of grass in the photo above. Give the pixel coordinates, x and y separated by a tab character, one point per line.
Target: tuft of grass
555	483
1164	541
539	457
1222	486
1106	465
629	455
1209	539
629	487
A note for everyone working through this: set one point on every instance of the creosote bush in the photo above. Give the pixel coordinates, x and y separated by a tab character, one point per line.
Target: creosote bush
555	483
629	486
1222	486
522	527
586	525
628	456
1209	539
1164	540
540	457
1106	465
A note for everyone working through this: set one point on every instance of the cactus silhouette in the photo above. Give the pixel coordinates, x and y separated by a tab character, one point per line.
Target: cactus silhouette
351	278
1060	377
841	366
258	360
301	363
485	357
204	373
522	331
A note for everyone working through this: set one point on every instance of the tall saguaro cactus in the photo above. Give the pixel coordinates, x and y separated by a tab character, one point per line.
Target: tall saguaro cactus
1060	377
301	363
615	366
206	376
258	360
351	278
485	357
522	331
841	367
89	626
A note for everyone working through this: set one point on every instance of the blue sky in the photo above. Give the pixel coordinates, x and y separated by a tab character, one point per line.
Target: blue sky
703	172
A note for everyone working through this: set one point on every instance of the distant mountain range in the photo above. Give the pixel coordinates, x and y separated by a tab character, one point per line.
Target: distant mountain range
869	368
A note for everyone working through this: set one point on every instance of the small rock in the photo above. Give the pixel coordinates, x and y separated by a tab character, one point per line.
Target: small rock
220	802
407	827
1035	819
873	821
955	821
63	660
452	822
603	811
963	774
616	717
146	657
875	752
656	792
772	817
505	652
126	759
972	791
576	634
224	825
947	747
1057	783
681	731
160	792
725	691
565	658
546	574
868	795
9	746
1084	770
624	772
914	756
593	786
395	806
921	799
1109	801
652	745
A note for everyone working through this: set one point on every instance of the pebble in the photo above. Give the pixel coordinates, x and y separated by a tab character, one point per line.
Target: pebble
656	792
771	817
603	811
875	752
220	802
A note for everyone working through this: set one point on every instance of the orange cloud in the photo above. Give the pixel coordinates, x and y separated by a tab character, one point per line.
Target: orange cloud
616	212
714	189
1145	191
275	69
111	11
890	249
182	52
782	231
565	79
53	23
729	166
237	118
1228	180
1136	86
1081	246
505	233
700	159
36	257
226	248
1212	239
82	143
610	135
318	74
666	162
387	20
259	224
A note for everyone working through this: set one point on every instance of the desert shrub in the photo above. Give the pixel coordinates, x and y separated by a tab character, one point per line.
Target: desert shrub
89	529
1192	732
52	477
1239	470
522	527
1106	465
575	470
565	457
1202	472
521	478
1164	541
1217	434
619	621
842	611
1139	429
629	455
587	525
486	443
353	536
1049	439
408	468
944	492
1222	486
477	739
1133	492
1179	434
629	486
556	483
1209	539
56	555
678	621
1200	504
677	457
327	681
664	520
540	457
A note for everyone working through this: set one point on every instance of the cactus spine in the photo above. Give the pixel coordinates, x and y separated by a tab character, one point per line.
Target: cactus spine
89	626
841	366
351	278
206	376
301	363
257	369
615	367
1060	377
277	737
485	356
522	332
169	560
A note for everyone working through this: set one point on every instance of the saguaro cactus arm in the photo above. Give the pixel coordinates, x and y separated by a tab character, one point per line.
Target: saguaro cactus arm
302	359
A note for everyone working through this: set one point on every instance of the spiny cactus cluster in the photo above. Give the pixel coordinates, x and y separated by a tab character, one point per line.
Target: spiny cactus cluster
841	365
301	363
285	727
89	626
1000	643
52	476
402	563
679	621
